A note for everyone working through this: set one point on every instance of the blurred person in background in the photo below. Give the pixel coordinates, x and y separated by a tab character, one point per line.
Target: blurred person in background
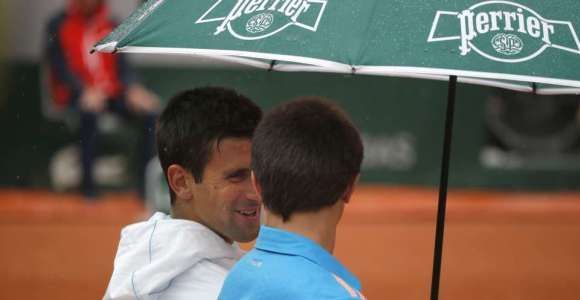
2	52
306	158
204	141
91	84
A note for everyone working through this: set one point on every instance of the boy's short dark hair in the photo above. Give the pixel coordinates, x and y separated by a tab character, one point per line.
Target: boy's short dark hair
194	120
305	154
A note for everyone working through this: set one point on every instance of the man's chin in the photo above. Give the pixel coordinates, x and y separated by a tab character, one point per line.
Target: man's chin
246	227
246	237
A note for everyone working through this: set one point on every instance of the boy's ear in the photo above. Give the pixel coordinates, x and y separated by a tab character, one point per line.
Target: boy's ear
180	181
256	185
350	189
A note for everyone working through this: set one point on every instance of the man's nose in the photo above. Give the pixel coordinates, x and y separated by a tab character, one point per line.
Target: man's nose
251	193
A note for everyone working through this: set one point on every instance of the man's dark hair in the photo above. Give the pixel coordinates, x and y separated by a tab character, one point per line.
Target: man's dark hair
305	154
194	120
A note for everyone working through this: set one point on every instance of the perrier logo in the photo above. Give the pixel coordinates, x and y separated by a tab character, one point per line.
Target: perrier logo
258	19
503	31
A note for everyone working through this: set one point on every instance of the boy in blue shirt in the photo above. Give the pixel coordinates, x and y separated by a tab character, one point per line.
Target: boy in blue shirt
306	157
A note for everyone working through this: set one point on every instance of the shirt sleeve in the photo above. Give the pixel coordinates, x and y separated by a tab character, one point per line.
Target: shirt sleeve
54	56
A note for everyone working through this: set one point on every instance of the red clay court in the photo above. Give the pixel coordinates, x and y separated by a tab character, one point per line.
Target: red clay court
498	245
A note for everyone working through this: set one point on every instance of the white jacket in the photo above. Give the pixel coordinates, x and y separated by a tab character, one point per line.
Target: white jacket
165	258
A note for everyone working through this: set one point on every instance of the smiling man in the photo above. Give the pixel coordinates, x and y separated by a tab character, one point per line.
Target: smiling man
204	142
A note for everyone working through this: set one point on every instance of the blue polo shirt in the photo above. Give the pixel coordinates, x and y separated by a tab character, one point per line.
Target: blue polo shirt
285	265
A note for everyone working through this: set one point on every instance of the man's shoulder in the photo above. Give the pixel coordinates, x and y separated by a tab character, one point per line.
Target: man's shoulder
170	258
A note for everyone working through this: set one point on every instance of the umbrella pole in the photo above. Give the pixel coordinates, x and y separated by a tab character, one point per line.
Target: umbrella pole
440	227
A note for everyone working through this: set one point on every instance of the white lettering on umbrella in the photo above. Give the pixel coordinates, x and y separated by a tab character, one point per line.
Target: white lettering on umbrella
472	25
262	15
508	27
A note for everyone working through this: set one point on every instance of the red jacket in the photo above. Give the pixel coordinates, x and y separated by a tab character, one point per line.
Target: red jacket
71	36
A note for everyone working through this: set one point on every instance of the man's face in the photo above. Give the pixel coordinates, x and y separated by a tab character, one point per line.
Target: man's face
224	200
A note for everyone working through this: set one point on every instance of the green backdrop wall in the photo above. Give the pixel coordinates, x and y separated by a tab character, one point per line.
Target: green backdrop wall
401	121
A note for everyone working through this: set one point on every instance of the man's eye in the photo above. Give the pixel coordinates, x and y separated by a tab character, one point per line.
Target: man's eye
237	176
236	179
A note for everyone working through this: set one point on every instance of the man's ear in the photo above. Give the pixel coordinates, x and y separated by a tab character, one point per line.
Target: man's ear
256	185
180	181
350	189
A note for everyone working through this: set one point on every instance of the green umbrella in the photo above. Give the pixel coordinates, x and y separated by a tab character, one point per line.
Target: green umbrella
498	43
528	45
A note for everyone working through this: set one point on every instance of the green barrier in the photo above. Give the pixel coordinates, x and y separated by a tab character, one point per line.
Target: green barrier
401	122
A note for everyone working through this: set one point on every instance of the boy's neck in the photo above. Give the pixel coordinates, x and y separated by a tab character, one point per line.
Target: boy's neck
319	226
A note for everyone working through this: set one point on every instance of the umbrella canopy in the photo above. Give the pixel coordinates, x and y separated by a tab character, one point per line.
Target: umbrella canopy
499	43
524	45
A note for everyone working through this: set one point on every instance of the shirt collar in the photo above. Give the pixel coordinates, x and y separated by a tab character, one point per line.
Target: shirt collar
281	241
